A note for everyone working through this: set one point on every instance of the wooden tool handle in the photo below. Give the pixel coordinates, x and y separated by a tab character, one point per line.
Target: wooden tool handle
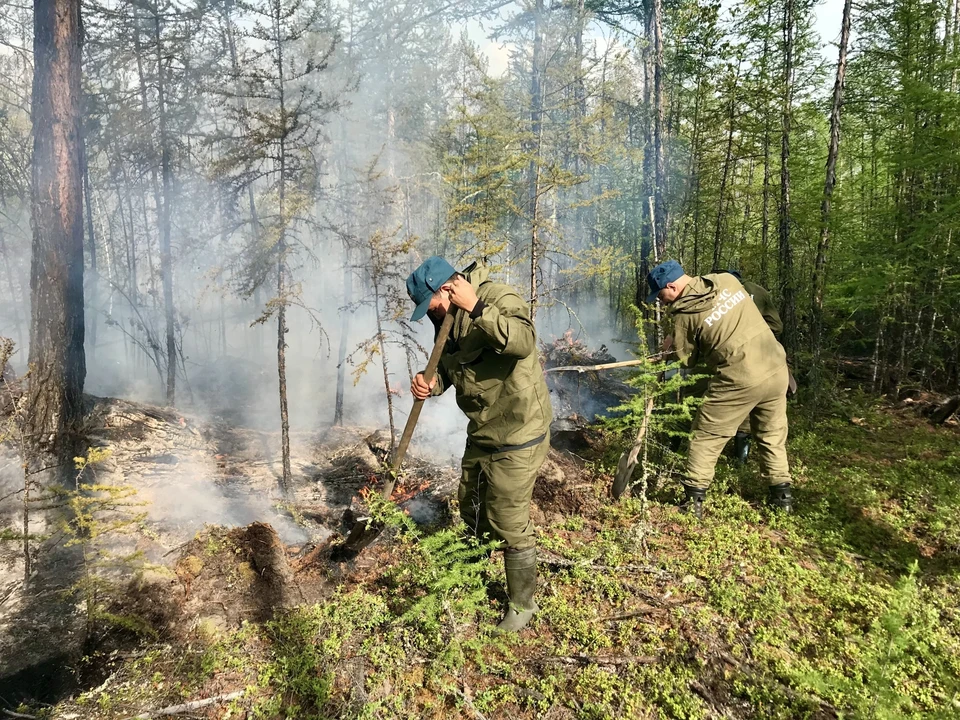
414	415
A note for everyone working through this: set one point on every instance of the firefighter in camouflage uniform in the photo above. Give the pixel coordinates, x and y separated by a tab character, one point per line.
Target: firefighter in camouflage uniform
492	363
718	326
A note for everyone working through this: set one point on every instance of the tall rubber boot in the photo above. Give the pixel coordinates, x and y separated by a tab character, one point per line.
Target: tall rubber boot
521	567
693	501
741	447
781	497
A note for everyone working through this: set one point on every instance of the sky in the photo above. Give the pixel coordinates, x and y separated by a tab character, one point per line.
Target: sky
828	16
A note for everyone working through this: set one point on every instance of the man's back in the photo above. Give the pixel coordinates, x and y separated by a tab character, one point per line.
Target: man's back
718	326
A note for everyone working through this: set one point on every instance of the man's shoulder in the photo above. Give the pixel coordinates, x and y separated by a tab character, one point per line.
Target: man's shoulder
490	291
755	289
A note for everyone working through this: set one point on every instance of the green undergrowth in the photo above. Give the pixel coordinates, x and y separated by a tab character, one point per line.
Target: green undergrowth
848	608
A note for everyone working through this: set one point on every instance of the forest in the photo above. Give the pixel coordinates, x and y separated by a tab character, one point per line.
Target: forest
208	213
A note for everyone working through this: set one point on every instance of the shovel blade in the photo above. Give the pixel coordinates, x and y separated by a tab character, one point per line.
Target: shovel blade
361	535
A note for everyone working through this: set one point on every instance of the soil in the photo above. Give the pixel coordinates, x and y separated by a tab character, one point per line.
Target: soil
561	488
198	479
223	546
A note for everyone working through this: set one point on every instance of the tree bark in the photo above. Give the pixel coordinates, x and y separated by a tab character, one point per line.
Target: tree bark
788	304
660	179
344	334
92	249
166	260
823	246
57	362
536	120
725	175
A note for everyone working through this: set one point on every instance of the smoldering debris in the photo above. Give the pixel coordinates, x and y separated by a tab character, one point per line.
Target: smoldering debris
585	394
193	473
171	461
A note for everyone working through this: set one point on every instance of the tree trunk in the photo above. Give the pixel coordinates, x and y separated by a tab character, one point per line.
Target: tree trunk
660	183
57	363
536	119
344	334
166	260
788	303
725	174
25	521
92	248
382	341
823	246
765	211
286	480
955	44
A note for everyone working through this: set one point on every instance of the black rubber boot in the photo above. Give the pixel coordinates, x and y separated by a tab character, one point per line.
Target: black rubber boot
521	567
741	447
693	500
781	497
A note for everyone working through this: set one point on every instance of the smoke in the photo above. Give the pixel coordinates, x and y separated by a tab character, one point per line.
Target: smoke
189	498
377	172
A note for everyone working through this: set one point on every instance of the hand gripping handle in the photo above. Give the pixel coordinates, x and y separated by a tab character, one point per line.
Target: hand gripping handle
414	415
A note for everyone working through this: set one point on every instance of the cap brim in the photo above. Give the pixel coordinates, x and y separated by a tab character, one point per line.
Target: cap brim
652	296
421	310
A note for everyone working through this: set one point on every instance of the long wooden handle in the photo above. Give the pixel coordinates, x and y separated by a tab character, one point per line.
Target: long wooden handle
414	415
607	366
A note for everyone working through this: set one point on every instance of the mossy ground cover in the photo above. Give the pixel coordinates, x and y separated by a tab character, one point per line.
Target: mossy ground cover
848	608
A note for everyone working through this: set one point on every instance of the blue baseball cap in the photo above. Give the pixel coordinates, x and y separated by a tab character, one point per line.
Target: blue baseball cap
735	273
661	275
425	281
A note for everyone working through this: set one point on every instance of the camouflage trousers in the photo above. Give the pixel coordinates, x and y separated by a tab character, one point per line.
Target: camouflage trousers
725	409
495	493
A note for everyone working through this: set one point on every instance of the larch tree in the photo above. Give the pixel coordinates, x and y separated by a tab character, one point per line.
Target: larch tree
285	107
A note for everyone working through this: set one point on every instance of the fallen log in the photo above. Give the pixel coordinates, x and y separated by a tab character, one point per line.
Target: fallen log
943	411
188	707
11	713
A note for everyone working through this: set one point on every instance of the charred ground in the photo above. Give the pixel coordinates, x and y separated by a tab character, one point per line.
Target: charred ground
848	607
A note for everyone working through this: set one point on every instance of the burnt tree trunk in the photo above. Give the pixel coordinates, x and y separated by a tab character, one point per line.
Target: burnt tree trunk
57	363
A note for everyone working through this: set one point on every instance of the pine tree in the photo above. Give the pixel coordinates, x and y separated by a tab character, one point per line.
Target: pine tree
57	362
